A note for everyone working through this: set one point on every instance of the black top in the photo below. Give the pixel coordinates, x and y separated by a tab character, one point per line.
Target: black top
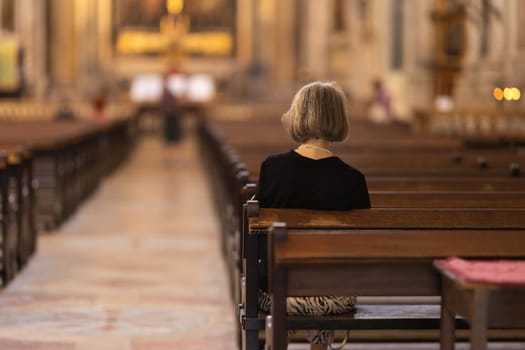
290	180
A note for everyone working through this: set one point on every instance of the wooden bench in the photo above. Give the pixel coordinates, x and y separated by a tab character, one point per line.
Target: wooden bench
21	164
46	170
481	183
461	226
17	227
258	147
8	253
234	155
447	199
316	257
69	160
491	302
419	164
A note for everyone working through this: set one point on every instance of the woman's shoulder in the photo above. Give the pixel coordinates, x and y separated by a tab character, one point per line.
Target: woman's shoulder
350	169
279	157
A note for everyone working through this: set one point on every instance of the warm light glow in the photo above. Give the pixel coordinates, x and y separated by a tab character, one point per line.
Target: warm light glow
507	93
201	88
498	94
516	94
177	85
196	88
444	103
147	88
174	6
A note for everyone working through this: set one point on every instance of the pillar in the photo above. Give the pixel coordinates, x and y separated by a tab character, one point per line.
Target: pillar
62	45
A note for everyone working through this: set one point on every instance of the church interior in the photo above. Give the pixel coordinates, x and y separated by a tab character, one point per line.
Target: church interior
132	134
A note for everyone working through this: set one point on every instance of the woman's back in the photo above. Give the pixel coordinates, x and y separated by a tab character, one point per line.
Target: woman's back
291	180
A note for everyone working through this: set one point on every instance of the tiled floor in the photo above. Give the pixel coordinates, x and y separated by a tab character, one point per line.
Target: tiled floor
138	267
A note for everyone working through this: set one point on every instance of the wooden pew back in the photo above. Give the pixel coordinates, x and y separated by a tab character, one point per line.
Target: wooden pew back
333	256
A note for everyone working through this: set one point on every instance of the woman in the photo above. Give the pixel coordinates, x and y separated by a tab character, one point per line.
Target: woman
312	177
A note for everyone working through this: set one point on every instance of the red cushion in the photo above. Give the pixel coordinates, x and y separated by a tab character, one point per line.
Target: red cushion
499	272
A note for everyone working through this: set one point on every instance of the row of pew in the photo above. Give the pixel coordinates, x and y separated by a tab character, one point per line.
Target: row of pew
16	198
47	169
501	125
431	197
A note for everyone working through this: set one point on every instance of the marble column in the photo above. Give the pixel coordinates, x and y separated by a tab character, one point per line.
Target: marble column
354	25
519	15
338	41
470	89
368	59
314	41
418	54
520	57
516	43
255	47
30	29
89	80
472	40
62	45
245	32
285	50
104	45
510	30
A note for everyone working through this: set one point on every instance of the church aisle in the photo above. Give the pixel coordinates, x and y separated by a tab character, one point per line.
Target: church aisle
138	267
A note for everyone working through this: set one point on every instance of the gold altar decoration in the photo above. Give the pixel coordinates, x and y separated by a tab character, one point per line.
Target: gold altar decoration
174	38
138	42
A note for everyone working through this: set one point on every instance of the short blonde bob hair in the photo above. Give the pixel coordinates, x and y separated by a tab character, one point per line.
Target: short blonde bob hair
318	111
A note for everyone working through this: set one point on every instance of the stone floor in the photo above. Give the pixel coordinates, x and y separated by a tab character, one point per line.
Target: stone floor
137	268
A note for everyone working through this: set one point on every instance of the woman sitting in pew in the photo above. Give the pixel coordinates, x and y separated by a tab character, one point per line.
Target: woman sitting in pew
311	176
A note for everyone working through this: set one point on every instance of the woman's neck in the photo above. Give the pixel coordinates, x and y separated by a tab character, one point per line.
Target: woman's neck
315	149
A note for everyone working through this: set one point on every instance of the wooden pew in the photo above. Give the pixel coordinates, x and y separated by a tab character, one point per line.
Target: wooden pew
447	199
337	253
8	254
254	142
474	184
469	172
408	179
419	165
14	245
46	170
233	166
55	146
69	160
21	160
361	136
459	164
